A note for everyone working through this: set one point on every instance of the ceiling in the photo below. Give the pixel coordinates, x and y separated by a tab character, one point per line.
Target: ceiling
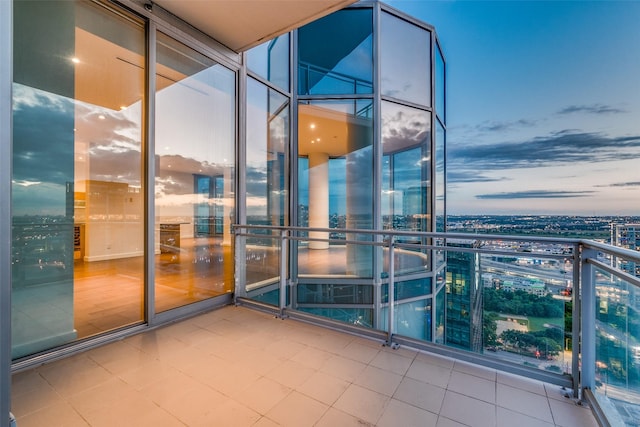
243	24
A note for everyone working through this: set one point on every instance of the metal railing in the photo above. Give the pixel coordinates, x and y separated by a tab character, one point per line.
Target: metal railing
556	309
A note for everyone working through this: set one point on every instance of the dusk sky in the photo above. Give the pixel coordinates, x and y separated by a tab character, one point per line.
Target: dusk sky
543	112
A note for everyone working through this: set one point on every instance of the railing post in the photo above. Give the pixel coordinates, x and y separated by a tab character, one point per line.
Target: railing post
575	320
283	272
391	293
588	320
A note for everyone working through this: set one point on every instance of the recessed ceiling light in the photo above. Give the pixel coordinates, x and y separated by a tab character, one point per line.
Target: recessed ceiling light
75	60
101	117
312	125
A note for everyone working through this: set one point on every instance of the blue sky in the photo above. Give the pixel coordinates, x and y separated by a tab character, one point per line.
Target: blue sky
543	104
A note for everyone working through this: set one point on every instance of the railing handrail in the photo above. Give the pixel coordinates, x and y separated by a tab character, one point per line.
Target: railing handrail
612	250
428	234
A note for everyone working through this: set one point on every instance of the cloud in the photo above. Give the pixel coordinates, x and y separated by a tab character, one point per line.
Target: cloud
496	126
622	184
534	194
559	148
462	176
591	109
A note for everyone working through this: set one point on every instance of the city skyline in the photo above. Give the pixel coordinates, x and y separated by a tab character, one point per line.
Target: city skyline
543	105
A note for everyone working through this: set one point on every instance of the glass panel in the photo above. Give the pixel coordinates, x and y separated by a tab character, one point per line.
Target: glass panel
194	185
270	60
78	234
406	183
618	346
354	316
266	178
334	294
440	85
412	319
407	289
335	185
440	163
405	60
526	302
335	54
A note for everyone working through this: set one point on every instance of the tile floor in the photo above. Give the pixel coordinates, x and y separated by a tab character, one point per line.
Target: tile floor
239	367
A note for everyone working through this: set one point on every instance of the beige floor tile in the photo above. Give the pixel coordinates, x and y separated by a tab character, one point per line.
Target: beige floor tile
263	395
475	370
265	422
398	413
231	380
436	359
568	414
297	410
34	400
151	372
75	375
558	392
446	422
522	383
423	395
472	386
392	361
58	415
362	403
312	357
323	387
467	410
508	418
291	374
103	395
229	414
336	418
524	402
378	380
343	368
357	351
139	412
428	373
118	357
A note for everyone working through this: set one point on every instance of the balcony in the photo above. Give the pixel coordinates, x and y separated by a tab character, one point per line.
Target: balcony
242	367
273	360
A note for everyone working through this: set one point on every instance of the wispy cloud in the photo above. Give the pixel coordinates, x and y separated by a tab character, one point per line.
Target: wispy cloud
503	126
535	194
622	184
591	109
461	176
559	148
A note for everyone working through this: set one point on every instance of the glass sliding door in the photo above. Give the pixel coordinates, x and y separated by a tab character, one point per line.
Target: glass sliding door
194	184
77	249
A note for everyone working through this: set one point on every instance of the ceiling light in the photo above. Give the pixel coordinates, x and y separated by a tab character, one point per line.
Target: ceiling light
312	125
101	117
75	60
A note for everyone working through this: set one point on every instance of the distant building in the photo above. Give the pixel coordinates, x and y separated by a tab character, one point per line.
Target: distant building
627	236
463	297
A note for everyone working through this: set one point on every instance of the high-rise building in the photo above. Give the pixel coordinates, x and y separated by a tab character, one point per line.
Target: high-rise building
135	134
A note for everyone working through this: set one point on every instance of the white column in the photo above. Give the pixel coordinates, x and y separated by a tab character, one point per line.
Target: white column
318	198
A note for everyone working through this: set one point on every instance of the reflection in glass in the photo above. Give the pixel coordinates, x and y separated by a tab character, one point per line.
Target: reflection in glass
270	61
194	185
440	162
440	85
335	184
335	54
77	179
266	178
617	342
405	60
412	319
406	183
